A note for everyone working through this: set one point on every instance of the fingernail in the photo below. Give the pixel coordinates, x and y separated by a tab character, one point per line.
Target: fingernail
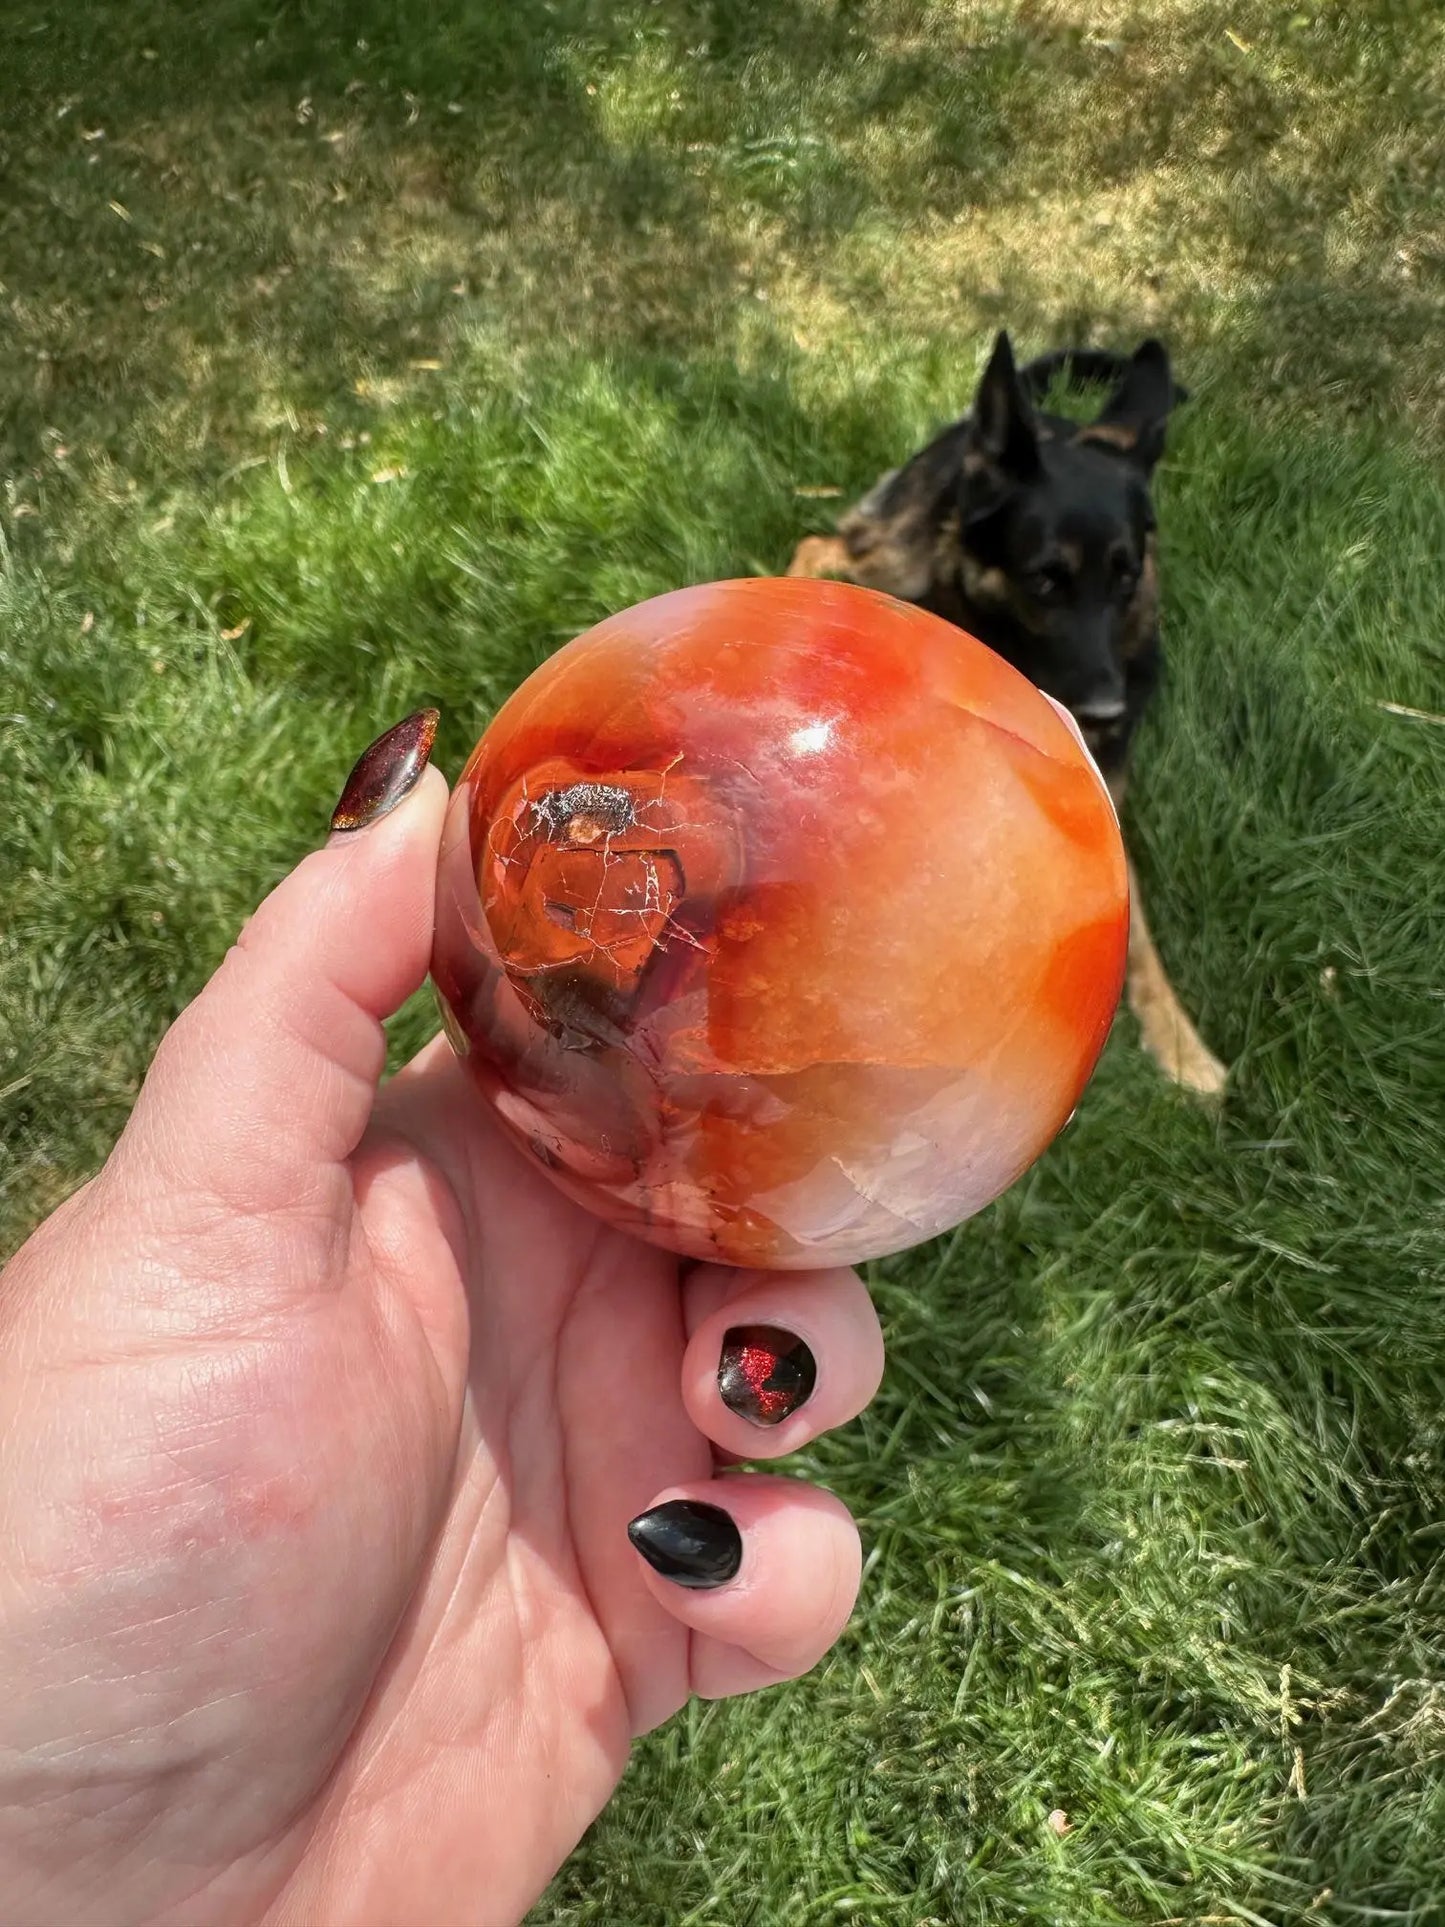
387	772
693	1545
765	1374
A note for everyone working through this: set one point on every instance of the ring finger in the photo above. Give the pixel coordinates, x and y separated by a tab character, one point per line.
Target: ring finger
775	1358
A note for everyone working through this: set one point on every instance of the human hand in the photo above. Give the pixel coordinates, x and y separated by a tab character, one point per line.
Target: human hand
322	1420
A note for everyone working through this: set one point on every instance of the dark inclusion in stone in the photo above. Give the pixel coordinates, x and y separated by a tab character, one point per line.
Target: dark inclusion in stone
583	812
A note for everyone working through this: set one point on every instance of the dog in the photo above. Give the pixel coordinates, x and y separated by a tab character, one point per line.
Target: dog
1037	534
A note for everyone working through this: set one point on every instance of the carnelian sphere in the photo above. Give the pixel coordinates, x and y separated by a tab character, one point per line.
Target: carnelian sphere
780	922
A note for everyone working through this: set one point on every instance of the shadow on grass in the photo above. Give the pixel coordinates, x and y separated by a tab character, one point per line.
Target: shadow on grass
206	237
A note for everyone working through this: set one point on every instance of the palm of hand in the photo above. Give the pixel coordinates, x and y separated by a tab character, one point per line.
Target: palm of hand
527	1364
531	1645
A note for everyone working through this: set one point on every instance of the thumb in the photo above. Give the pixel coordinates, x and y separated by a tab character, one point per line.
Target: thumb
272	1071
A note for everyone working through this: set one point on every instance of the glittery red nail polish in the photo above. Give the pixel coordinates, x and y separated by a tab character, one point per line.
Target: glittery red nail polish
765	1374
386	772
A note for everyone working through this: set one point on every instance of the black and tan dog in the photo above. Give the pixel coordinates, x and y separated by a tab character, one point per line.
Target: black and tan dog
1037	535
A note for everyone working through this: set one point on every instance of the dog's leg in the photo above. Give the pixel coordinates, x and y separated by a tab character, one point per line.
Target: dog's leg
819	555
1168	1036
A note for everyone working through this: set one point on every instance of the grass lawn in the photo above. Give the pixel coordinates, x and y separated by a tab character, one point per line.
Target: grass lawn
355	356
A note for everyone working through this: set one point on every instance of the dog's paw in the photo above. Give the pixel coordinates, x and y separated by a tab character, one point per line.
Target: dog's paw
819	555
1187	1063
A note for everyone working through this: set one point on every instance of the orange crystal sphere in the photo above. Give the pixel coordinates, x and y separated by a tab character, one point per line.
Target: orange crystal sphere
781	922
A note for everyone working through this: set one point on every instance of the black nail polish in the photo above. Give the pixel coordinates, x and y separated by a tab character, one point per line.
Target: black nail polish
387	772
765	1373
693	1545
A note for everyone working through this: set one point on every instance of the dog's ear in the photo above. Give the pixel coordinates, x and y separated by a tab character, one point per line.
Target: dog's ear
1003	439
1132	420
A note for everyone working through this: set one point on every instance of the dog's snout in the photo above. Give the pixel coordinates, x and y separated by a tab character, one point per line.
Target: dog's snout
1100	709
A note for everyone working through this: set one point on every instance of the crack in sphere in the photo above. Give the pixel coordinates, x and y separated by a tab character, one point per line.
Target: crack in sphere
780	922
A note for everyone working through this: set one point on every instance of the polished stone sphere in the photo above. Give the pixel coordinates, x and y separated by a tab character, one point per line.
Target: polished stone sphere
780	922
